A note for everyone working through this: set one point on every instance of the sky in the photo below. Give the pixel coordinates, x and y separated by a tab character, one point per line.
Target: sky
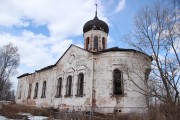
44	29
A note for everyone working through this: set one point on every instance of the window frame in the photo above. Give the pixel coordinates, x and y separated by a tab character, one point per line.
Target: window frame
96	44
80	85
29	91
36	90
103	43
20	92
59	88
69	87
87	43
43	95
115	82
19	96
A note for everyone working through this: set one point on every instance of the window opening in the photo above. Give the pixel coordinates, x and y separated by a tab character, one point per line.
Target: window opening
87	43
59	86
80	84
103	43
117	74
69	85
29	91
44	90
36	90
95	42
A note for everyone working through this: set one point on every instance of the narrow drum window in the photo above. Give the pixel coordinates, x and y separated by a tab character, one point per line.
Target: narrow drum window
69	85
59	86
87	43
95	42
80	85
117	82
44	90
29	91
103	43
36	90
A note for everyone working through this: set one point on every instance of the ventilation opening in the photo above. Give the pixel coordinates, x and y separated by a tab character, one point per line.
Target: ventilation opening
117	110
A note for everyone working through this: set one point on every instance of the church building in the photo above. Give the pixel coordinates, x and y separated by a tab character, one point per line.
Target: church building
91	77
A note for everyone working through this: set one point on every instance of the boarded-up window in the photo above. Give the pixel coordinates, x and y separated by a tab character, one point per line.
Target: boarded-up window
29	91
80	84
44	90
117	82
36	90
95	42
59	86
69	86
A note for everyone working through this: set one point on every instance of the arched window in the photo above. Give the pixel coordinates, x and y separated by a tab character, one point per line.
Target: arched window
87	43
117	82
103	43
44	90
29	91
80	84
69	85
59	86
36	90
95	42
20	92
19	97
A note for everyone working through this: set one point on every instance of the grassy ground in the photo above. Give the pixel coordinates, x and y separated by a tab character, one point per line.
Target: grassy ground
13	111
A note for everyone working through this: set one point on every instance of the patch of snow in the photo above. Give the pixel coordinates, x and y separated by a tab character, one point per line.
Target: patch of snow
37	118
2	118
31	117
4	102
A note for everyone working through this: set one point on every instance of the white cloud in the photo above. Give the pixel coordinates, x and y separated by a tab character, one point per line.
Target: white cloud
32	48
63	19
121	6
36	50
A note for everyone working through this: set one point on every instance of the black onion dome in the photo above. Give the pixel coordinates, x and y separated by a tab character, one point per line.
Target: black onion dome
96	24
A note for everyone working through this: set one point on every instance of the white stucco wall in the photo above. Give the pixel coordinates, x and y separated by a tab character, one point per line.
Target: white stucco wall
91	34
133	66
75	61
98	81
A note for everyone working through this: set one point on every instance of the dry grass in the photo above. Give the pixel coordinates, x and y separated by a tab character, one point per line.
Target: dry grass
98	116
12	111
164	112
159	112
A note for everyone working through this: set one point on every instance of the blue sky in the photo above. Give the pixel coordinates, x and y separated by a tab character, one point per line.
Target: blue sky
44	29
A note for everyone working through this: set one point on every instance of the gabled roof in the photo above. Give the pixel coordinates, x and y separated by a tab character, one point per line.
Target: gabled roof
25	74
51	66
68	49
45	68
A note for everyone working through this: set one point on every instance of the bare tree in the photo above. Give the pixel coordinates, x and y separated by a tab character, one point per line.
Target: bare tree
9	61
7	93
157	33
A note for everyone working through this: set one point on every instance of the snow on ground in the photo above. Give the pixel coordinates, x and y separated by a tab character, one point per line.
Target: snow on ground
30	117
4	102
2	118
37	118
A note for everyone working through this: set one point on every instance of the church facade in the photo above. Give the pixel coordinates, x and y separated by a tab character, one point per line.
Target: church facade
95	76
